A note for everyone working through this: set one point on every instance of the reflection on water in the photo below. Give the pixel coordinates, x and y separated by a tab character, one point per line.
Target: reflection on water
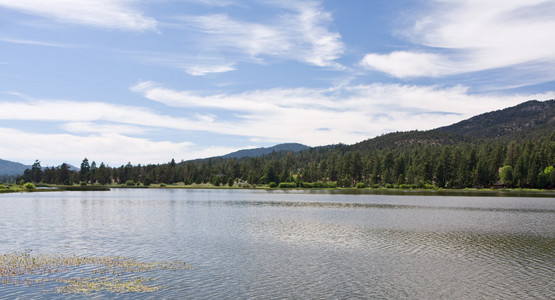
259	244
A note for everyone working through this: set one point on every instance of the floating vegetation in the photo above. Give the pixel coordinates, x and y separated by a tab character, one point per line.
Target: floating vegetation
95	274
98	284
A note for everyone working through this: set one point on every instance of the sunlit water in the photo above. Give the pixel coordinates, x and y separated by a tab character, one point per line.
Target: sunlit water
298	245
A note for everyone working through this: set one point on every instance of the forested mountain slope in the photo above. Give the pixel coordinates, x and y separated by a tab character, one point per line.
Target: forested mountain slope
530	117
11	168
287	147
514	146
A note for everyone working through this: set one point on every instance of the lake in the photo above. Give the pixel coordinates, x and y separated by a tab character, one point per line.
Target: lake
276	244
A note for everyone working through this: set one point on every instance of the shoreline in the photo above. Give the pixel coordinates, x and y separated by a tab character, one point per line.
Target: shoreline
504	192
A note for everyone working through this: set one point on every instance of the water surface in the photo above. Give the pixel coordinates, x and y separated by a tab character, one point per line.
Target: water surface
295	244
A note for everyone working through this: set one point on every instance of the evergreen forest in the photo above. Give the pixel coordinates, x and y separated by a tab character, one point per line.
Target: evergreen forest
513	148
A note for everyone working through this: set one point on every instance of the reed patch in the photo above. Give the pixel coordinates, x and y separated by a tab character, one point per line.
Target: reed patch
71	274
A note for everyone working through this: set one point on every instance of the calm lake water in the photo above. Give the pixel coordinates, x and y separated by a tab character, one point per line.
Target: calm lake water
299	245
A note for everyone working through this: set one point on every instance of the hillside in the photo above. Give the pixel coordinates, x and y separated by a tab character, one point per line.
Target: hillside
469	154
529	119
11	168
288	147
517	121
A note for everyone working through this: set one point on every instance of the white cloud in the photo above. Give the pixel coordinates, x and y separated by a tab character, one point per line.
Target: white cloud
404	64
203	69
214	2
469	36
111	148
34	43
346	114
352	113
73	111
116	14
302	34
91	127
204	63
251	38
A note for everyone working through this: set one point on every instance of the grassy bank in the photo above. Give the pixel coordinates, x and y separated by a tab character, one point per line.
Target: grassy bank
334	190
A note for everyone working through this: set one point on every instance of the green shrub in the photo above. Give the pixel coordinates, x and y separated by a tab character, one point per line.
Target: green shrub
344	182
318	185
376	186
307	185
29	187
162	185
428	186
331	185
361	185
130	183
82	183
272	185
287	185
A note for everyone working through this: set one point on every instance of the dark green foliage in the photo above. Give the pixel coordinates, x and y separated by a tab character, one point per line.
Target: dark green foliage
463	165
287	185
532	117
507	176
85	170
306	185
290	147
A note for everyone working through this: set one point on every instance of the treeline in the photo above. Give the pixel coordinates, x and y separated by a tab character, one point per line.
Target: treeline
524	164
9	179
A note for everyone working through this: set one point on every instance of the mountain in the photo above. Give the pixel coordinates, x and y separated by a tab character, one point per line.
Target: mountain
521	120
288	147
526	120
12	168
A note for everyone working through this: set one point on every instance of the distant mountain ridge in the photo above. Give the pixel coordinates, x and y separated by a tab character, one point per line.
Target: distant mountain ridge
531	118
11	168
286	147
517	120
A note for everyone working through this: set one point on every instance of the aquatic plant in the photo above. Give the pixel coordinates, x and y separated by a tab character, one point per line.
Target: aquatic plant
95	274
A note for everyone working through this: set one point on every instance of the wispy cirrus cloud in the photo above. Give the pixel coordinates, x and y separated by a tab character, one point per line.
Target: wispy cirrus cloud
302	34
111	14
34	43
469	36
197	65
352	113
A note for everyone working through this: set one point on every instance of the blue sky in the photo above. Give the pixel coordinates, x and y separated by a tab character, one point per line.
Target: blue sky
121	81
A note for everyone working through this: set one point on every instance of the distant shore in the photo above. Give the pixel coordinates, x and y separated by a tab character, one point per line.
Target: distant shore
484	192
